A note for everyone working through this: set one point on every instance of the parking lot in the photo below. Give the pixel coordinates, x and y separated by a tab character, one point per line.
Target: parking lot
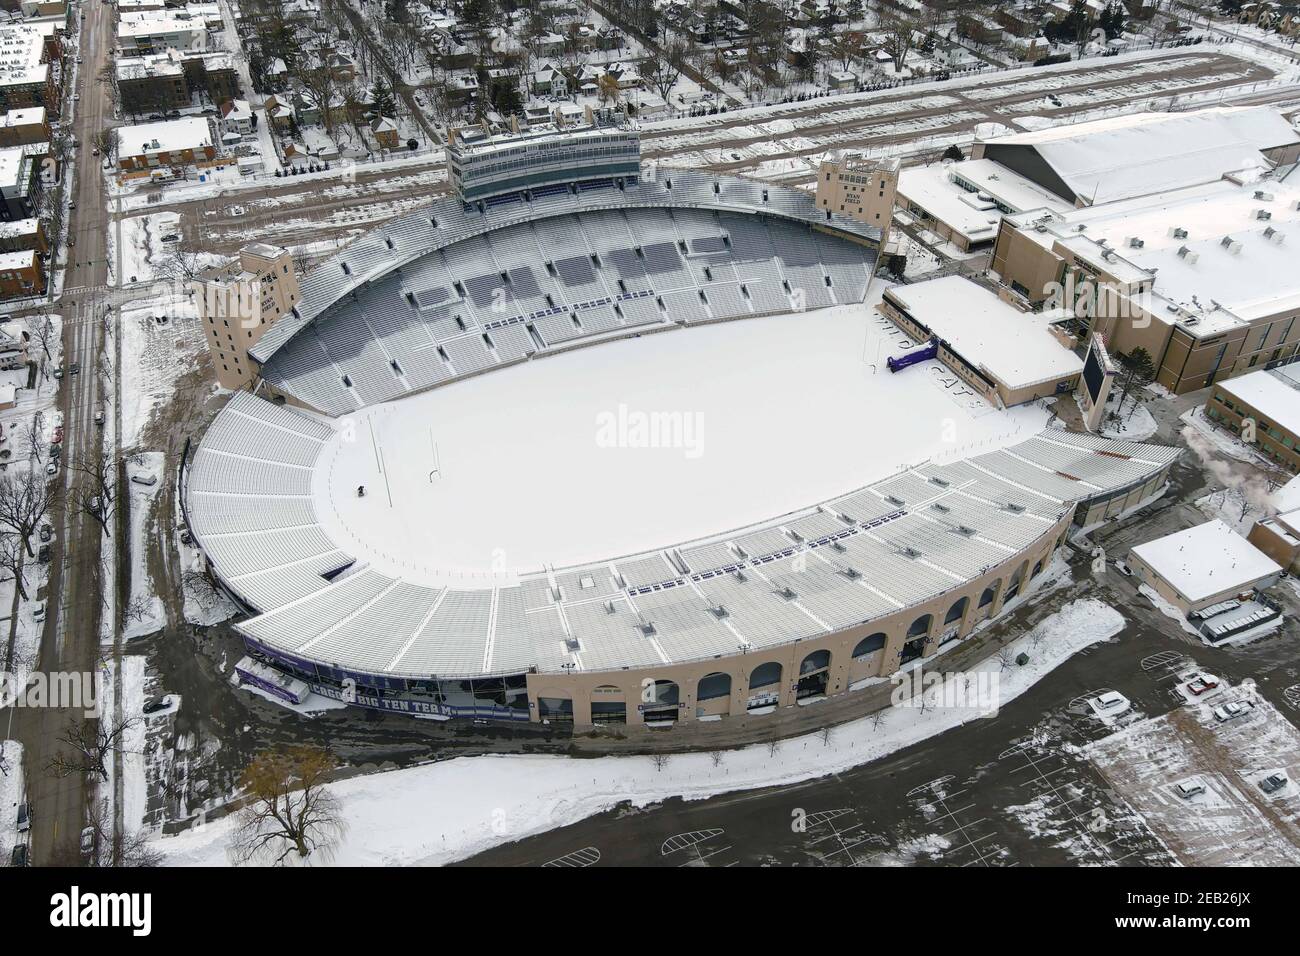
1219	746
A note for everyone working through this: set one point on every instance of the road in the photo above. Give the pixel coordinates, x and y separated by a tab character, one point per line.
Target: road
71	638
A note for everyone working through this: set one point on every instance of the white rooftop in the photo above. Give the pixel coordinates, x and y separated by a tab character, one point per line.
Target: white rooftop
973	214
1275	394
1206	560
1182	235
1014	347
1142	153
191	132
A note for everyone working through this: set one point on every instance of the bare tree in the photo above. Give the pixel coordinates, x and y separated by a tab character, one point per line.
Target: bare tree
25	500
45	334
899	32
11	560
112	849
31	436
663	67
1005	657
716	757
290	813
659	760
201	589
90	745
322	85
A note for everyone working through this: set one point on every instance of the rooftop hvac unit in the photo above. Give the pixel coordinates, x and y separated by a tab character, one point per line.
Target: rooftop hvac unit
1232	245
1263	214
1272	235
1178	233
1109	255
1187	255
1263	196
572	645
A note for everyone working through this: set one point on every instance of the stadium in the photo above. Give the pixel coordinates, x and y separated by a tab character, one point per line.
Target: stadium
596	443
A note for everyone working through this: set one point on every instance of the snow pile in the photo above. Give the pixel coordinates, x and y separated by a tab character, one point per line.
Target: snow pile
1167	609
442	812
144	612
11	795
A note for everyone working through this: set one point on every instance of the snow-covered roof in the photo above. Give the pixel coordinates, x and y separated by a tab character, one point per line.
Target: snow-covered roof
191	132
1275	394
1014	347
1144	153
1207	560
1222	253
975	217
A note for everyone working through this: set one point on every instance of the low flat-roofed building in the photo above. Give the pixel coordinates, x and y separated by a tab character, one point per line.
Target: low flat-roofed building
24	127
1203	565
964	202
21	274
1270	401
20	235
1203	278
167	143
1279	538
1009	356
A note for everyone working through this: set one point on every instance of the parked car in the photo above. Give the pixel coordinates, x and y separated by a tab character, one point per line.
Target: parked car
147	480
58	434
1189	789
1201	683
58	373
1230	710
24	818
1123	568
38	611
43	555
74	368
99	418
1110	703
19	855
1273	782
46	532
52	469
87	841
157	704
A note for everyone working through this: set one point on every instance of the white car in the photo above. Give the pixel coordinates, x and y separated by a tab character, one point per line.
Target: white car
38	612
1110	704
1232	709
1189	789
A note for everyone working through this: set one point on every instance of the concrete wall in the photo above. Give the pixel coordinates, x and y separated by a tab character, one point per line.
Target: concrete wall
844	669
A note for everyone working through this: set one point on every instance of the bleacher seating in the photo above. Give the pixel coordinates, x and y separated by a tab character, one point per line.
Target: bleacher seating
558	279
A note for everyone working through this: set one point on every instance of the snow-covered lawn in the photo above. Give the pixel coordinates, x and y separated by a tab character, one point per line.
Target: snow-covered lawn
442	812
144	612
11	795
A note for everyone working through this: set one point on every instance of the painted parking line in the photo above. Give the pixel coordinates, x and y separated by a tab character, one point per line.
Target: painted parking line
587	856
836	834
692	845
1091	823
934	800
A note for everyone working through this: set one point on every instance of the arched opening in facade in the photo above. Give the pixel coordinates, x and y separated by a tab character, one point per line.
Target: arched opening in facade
764	688
916	638
814	675
713	686
869	645
659	701
608	705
